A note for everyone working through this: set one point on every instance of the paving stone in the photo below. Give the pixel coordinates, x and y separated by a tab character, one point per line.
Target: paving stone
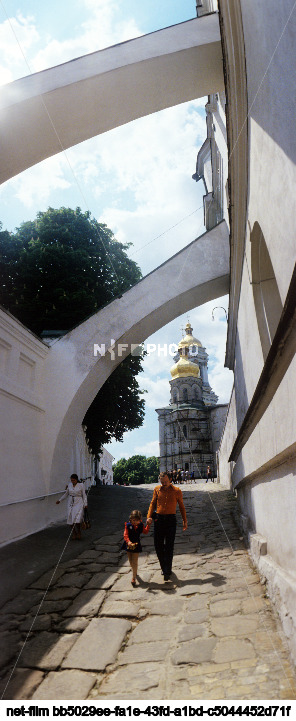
23	602
195	617
21	684
235	626
74	580
65	685
152	628
98	645
227	607
198	602
100	547
136	678
49	578
120	608
92	567
251	605
133	594
197	651
122	584
59	594
78	623
46	650
180	559
143	652
164	619
87	603
164	606
187	633
36	623
89	555
51	606
208	668
109	558
102	580
9	646
233	650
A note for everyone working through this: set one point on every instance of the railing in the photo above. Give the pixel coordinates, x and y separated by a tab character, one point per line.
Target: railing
39	498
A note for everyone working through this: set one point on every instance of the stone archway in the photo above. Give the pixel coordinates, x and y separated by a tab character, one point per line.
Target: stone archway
50	111
74	375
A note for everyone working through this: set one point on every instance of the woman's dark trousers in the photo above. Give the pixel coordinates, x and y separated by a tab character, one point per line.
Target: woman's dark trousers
164	537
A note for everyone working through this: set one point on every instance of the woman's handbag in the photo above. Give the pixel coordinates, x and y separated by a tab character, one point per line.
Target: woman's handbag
86	520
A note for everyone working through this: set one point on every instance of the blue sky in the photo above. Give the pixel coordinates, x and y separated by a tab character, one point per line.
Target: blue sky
136	178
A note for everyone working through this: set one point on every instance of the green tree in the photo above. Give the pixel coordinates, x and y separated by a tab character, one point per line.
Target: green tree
61	268
56	271
135	470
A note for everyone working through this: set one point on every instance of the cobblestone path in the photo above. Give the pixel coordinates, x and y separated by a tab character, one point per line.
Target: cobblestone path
210	633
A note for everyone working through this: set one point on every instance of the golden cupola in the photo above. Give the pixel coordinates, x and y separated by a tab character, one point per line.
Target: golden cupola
184	367
189	339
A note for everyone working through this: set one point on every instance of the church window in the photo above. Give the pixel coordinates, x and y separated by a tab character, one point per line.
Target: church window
267	300
185	395
185	431
175	398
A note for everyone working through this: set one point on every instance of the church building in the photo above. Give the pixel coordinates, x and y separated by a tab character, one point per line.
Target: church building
190	427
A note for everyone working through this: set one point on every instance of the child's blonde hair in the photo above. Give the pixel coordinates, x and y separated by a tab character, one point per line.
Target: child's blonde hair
136	514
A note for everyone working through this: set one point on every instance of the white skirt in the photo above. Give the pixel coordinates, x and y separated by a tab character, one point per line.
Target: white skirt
75	510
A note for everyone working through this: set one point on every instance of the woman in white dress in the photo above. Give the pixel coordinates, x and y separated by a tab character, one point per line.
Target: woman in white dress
77	502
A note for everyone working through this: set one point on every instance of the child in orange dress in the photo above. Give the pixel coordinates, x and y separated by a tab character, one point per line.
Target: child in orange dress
132	531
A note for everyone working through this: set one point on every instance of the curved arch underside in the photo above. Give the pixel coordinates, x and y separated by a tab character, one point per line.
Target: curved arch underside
50	111
193	276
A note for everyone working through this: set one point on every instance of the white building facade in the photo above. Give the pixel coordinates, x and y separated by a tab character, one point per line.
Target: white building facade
104	468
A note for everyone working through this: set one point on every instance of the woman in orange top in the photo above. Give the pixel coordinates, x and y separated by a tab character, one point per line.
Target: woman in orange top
163	509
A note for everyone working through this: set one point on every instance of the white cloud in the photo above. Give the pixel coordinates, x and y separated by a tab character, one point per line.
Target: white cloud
17	36
148	449
158	390
103	27
34	187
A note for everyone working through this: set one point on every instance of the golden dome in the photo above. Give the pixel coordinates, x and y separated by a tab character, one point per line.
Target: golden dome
189	339
184	368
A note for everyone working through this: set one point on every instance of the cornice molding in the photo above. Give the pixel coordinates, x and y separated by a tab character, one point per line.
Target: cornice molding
19	332
237	131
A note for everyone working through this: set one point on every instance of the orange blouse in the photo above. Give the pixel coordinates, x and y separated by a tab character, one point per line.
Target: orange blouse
165	499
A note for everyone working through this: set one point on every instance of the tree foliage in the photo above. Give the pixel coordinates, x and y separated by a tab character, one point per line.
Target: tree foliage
56	271
61	268
136	470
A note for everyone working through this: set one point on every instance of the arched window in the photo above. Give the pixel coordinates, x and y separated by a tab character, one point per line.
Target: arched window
267	300
185	395
175	398
185	431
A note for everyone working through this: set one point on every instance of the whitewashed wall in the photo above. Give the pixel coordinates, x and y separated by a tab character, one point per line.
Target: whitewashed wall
26	500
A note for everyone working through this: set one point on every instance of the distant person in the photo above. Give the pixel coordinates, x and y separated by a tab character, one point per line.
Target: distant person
209	474
132	531
163	509
77	502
